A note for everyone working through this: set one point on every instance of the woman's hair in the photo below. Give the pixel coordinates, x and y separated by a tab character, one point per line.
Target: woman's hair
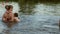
8	7
15	14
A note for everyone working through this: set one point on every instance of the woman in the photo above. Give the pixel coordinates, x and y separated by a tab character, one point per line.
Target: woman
8	15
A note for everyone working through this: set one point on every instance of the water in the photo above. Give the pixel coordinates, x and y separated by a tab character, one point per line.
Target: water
44	21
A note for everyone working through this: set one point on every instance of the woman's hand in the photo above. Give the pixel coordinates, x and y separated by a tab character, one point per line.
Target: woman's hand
12	17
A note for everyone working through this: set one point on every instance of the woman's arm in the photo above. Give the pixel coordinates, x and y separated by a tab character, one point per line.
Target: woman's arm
4	18
12	17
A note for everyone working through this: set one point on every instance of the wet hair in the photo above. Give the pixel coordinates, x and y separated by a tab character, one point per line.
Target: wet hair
15	14
8	7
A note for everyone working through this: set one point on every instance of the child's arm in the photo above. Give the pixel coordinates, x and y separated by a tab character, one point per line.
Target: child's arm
17	19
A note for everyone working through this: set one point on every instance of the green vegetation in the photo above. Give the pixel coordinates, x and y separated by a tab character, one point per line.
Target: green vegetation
26	6
34	1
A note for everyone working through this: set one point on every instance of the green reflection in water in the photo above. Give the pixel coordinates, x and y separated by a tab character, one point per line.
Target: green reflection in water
26	6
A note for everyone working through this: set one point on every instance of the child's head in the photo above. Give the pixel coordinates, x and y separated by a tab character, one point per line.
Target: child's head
15	14
8	7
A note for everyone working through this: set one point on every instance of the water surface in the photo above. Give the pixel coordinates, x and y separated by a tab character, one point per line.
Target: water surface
44	21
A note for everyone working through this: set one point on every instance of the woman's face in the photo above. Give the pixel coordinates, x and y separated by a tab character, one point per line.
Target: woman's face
11	9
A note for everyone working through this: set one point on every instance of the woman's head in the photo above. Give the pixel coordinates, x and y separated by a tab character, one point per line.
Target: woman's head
8	7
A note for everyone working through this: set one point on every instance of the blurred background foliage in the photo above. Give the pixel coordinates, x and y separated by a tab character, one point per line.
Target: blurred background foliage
35	1
26	6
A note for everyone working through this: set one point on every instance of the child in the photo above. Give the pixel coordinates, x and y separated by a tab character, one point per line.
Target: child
16	17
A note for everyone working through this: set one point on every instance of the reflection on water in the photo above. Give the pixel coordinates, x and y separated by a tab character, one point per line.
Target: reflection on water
44	21
47	9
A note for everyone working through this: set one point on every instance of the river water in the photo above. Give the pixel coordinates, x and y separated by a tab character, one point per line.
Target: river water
44	21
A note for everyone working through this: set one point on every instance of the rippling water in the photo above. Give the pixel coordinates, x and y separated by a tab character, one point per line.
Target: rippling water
44	21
